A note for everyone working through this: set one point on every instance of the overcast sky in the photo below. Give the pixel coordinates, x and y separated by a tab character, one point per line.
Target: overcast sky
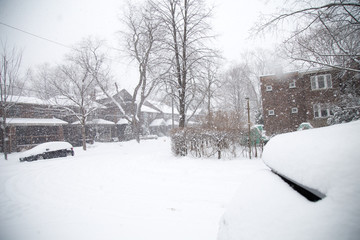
68	21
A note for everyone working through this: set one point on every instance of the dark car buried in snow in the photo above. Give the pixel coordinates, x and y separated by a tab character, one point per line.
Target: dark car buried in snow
48	150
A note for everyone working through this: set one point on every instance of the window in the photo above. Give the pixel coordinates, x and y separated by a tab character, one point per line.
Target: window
322	111
294	110
271	112
268	88
321	82
292	84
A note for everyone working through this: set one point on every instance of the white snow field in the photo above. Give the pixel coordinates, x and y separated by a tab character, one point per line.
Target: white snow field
122	191
325	159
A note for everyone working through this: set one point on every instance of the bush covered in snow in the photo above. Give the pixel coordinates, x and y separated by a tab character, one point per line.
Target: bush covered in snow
202	142
221	134
206	142
343	115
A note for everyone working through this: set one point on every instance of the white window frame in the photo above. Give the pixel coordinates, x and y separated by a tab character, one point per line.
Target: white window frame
320	82
294	110
271	112
292	84
268	88
322	111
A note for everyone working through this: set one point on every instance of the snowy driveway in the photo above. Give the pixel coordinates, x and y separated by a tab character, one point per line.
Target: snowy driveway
118	191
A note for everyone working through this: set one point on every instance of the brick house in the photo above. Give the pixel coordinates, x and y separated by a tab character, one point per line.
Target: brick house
292	98
31	122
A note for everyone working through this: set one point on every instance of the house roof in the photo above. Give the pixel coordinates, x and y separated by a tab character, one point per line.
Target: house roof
26	100
145	108
34	121
169	122
301	71
158	122
100	121
54	101
192	123
163	107
122	121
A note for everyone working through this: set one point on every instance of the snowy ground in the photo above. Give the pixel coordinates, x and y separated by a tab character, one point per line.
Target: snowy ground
118	191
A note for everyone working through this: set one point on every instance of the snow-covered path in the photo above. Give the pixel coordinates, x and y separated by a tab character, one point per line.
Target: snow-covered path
118	191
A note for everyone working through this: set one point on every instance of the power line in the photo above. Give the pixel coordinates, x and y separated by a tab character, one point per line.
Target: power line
58	43
37	36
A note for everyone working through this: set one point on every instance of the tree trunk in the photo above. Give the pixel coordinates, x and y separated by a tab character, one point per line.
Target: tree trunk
136	129
182	110
4	135
83	135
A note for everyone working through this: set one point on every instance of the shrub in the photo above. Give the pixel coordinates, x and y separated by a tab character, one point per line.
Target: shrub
204	142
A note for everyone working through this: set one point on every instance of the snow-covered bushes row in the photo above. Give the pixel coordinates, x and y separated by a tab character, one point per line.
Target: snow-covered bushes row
204	142
343	115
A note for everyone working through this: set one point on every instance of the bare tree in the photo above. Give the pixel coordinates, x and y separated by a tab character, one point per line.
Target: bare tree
186	35
92	57
211	85
75	87
325	34
40	79
238	84
10	82
142	43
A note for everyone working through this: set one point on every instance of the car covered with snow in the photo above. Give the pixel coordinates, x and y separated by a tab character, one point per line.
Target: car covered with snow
310	191
48	150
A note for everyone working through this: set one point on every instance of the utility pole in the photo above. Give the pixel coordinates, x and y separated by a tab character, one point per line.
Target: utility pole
249	132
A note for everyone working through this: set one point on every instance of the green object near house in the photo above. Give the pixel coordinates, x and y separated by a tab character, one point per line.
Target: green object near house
304	126
257	135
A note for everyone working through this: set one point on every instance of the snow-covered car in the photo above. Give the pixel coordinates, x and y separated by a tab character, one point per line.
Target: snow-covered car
48	150
310	191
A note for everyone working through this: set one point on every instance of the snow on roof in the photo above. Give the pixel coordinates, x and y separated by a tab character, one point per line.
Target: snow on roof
169	122
168	109
35	121
122	121
158	122
192	123
163	107
100	121
301	71
26	100
148	109
55	101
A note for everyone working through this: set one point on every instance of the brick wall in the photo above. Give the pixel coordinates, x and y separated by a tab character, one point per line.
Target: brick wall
292	100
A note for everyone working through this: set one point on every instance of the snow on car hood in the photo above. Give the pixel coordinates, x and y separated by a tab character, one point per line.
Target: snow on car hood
266	207
45	147
324	158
